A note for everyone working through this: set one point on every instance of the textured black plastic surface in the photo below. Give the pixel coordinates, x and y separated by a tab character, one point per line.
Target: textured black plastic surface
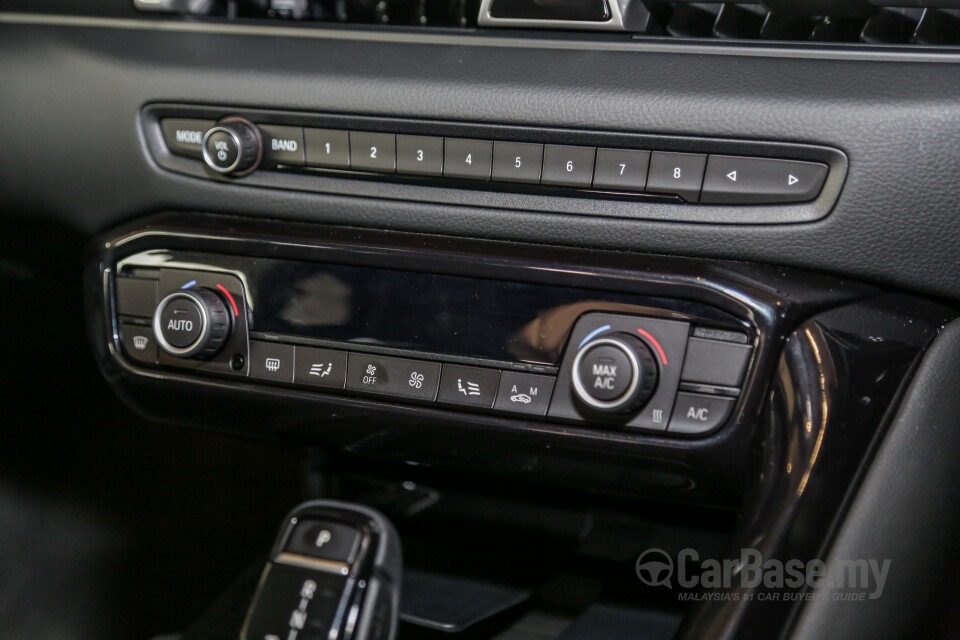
897	122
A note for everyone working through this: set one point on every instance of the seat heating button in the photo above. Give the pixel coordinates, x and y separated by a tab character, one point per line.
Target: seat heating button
715	362
136	297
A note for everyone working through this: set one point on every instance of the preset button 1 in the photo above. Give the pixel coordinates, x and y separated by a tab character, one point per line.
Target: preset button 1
327	148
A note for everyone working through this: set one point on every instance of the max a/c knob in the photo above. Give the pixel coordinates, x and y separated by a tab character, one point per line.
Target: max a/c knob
233	146
614	373
192	323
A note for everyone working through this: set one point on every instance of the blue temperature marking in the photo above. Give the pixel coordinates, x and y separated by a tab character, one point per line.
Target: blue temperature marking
592	334
189	284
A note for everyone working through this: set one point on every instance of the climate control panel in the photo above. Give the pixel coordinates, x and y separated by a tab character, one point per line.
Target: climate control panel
537	352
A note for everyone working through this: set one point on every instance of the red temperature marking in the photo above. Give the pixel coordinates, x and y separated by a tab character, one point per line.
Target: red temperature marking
236	311
645	334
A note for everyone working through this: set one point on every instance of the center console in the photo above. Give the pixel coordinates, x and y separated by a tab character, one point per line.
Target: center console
596	376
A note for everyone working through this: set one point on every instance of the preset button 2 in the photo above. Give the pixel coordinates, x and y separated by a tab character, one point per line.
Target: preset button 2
373	151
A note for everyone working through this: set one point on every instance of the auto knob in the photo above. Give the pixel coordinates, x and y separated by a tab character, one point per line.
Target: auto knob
233	146
192	323
614	373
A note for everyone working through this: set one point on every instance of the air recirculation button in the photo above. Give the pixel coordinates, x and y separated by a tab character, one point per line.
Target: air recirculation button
614	373
193	323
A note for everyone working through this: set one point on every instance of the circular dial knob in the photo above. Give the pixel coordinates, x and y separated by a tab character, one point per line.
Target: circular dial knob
615	372
233	146
193	323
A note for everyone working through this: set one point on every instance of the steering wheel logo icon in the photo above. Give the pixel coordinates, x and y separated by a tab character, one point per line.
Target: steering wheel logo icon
655	568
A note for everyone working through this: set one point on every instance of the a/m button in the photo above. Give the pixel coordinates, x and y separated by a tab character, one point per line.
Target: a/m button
524	393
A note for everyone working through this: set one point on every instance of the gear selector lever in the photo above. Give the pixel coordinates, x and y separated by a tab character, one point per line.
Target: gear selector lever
334	574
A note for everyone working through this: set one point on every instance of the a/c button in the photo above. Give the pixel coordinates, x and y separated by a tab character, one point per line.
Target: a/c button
698	413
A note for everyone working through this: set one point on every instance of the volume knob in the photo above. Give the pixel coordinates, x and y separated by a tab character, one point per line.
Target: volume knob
193	323
233	146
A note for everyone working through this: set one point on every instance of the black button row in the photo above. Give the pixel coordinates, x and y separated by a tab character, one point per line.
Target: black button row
695	177
447	384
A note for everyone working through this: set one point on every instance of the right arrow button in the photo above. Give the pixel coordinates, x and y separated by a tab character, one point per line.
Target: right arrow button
761	180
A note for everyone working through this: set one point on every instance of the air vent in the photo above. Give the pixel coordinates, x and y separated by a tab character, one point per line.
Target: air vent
875	25
402	13
816	21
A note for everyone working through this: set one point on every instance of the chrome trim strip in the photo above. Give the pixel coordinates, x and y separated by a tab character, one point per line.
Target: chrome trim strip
615	23
622	399
867	53
316	564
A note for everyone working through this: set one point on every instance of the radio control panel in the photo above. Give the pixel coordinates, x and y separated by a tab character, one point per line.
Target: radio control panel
565	171
552	354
